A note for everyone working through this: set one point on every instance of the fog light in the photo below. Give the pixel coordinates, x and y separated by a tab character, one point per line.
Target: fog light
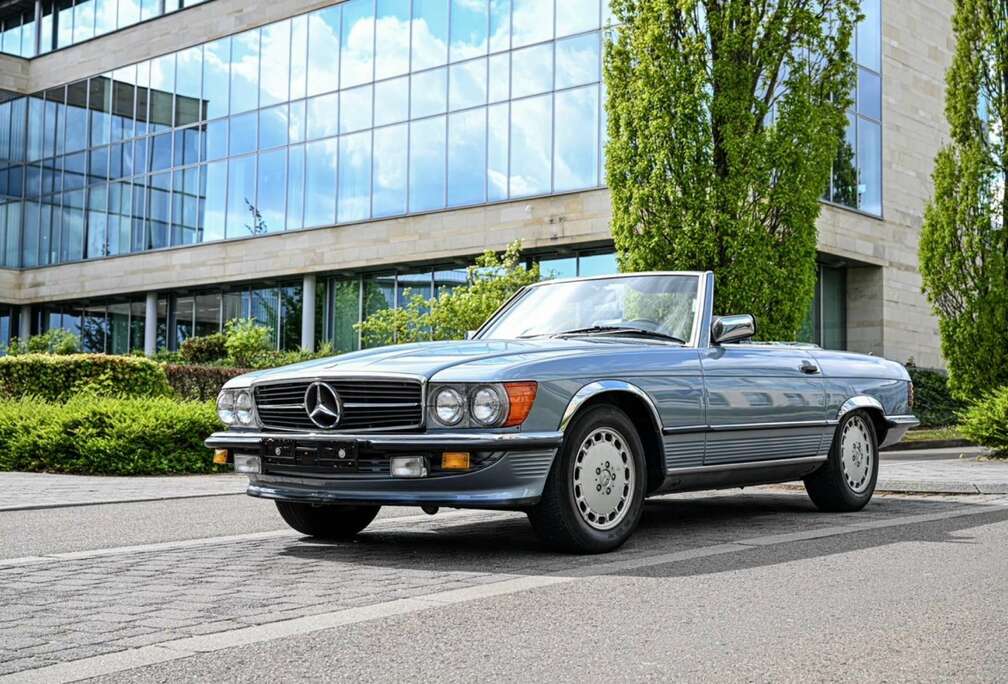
244	463
220	456
455	460
408	466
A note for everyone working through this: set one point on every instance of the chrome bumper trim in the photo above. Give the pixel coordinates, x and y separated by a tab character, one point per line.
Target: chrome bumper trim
472	440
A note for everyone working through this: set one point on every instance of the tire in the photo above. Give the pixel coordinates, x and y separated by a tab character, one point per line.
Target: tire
327	522
563	518
846	483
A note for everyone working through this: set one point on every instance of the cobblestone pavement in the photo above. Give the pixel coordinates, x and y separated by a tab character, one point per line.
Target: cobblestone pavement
60	610
45	490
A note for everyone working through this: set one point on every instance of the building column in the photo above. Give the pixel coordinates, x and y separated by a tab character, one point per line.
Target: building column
37	38
24	323
308	313
150	325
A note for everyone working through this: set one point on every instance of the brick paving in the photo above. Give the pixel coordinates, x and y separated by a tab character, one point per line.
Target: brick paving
60	610
968	475
43	490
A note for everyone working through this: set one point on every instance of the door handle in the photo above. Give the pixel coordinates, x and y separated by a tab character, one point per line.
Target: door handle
808	368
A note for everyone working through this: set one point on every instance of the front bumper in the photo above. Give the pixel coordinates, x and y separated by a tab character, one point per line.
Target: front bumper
515	477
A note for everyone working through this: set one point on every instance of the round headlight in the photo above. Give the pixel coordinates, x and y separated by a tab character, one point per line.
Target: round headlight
487	406
449	406
226	407
243	408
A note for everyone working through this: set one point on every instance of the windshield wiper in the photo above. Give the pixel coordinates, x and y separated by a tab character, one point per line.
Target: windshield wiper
619	330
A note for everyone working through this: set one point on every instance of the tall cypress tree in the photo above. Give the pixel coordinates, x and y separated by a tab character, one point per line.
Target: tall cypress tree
724	117
964	244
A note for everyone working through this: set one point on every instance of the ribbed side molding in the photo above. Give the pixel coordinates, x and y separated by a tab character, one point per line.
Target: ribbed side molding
729	450
531	465
742	465
681	452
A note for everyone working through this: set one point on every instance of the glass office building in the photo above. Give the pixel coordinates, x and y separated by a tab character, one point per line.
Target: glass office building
348	115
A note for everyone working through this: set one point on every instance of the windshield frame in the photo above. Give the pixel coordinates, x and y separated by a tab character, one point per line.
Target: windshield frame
700	301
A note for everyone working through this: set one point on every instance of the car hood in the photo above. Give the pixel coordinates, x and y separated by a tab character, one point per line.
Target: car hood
426	359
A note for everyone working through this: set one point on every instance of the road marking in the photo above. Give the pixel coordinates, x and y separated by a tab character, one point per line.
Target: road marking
190	646
105	502
226	539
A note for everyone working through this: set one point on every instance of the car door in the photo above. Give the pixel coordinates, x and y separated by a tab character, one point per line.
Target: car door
763	403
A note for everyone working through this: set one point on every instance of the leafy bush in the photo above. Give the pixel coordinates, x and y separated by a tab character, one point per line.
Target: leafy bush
96	435
199	383
245	339
207	349
449	316
934	404
55	341
986	422
57	378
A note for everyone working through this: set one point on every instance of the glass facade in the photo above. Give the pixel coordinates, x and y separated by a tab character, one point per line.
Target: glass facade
857	170
369	108
34	28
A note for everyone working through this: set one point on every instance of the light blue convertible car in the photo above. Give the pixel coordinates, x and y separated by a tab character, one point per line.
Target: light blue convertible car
574	402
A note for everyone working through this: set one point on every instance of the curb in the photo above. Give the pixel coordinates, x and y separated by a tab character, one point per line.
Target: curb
930	444
940	487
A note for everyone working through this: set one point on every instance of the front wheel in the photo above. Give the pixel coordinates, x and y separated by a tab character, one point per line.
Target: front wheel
327	522
847	480
594	496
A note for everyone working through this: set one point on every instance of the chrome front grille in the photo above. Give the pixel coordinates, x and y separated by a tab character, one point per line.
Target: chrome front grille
368	404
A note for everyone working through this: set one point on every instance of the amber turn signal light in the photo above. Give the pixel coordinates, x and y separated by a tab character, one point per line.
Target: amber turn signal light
521	395
220	456
455	460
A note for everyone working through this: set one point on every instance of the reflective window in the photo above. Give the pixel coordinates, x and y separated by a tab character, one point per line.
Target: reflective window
575	164
355	109
275	71
577	61
390	146
532	70
469	26
466	157
357	43
392	38
468	84
320	183
531	21
243	217
429	93
430	33
272	188
354	177
323	45
576	16
391	101
427	164
531	142
245	71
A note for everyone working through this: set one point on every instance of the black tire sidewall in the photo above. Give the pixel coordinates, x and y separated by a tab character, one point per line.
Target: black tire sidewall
588	537
854	499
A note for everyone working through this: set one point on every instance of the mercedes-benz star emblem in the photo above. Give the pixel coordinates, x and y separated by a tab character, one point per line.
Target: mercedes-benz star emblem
323	405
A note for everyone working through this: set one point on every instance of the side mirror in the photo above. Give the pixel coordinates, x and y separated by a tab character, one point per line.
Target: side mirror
727	329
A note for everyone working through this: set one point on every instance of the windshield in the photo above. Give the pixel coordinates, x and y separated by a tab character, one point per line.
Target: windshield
662	304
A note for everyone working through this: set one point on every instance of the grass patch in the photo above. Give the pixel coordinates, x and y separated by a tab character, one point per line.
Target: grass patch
934	434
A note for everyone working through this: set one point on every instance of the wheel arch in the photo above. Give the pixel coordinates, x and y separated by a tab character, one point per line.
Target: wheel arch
871	406
639	408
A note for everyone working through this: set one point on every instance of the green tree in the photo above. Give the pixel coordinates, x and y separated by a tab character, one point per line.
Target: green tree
964	244
724	117
454	312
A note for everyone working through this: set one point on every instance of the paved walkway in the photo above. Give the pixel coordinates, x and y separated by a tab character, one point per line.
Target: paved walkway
19	491
948	471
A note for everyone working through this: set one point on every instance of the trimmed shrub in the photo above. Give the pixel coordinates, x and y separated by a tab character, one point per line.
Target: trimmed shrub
106	436
201	350
986	422
245	339
199	383
934	405
58	378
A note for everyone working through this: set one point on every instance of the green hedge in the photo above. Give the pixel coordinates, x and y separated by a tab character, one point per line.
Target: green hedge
58	378
199	383
106	436
986	422
933	404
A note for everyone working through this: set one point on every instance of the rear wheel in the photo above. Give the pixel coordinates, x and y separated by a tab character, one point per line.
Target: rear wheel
327	522
847	481
594	496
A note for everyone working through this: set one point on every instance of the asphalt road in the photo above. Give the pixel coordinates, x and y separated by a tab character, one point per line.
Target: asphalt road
753	586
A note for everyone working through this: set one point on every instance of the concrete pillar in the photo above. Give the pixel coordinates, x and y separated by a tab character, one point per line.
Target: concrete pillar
24	322
37	38
308	313
150	325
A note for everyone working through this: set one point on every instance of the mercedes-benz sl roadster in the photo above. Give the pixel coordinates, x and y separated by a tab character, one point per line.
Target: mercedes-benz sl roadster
574	402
